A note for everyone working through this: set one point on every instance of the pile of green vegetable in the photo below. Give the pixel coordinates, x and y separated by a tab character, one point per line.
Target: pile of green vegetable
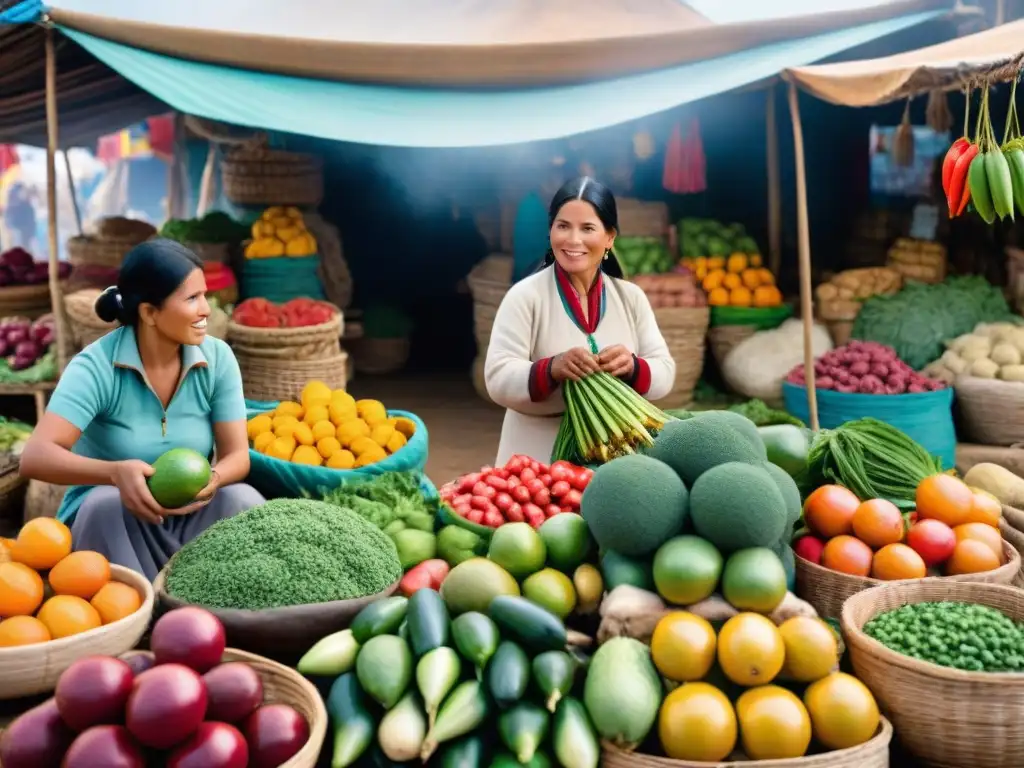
643	256
967	636
920	318
13	436
707	237
43	369
214	227
284	552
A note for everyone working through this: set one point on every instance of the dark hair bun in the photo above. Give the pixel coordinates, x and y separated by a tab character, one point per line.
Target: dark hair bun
108	305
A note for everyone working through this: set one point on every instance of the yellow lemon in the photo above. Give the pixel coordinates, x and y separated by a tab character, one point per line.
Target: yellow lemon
406	426
282	448
697	723
372	412
774	724
328	446
322	429
381	433
683	646
341	460
257	425
307	454
350	430
843	711
371	456
316	413
362	445
342	398
289	408
750	649
287	428
261	441
395	443
277	421
315	393
812	650
303	434
339	413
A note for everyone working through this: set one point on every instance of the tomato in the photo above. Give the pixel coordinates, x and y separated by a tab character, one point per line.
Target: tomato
542	469
498	483
521	493
559	488
535	466
877	523
513	482
561	471
829	511
933	540
504	474
462	510
514	465
503	501
573	499
475	516
898	561
546	479
468	481
581	479
945	498
809	548
493	519
567	508
485	490
847	555
533	514
542	497
462	498
551	510
535	486
480	502
514	514
527	474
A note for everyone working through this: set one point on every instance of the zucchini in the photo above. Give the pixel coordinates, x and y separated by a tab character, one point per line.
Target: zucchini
384	669
532	626
463	711
476	638
508	674
573	736
351	719
505	760
428	621
468	752
402	730
523	729
554	672
436	674
331	656
381	617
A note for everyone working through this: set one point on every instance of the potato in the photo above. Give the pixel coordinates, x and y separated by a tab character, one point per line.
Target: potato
983	368
1005	354
1012	373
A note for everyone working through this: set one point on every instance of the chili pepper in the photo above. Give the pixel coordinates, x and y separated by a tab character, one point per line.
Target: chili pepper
1015	158
977	181
952	155
999	183
959	189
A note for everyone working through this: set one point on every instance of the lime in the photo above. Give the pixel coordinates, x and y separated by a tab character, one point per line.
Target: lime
517	548
567	539
551	589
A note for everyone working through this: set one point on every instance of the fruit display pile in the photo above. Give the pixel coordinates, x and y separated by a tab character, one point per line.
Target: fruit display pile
18	267
26	347
643	256
679	288
329	428
990	351
280	232
736	281
708	238
177	706
48	592
866	368
297	313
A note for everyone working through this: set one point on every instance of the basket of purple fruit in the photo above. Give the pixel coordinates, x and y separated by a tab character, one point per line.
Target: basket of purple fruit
24	284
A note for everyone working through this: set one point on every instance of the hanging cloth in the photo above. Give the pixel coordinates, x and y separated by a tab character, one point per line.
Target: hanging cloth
685	165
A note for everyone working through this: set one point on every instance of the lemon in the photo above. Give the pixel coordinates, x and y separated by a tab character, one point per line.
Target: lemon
750	649
261	441
316	413
315	393
372	412
697	723
323	429
395	443
843	711
381	433
303	433
371	456
281	448
328	446
362	445
812	650
339	413
552	590
307	454
351	430
341	459
258	425
774	724
289	408
683	646
279	421
406	426
342	398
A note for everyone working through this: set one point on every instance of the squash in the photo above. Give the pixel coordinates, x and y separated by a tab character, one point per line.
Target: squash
998	481
302	245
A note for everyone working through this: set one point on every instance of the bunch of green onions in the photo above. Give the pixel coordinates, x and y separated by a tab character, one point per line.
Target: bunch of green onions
604	418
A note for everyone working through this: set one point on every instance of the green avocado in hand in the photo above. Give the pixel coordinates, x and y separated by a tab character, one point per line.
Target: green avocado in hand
178	476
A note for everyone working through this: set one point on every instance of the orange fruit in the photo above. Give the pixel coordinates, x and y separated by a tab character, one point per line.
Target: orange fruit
829	511
66	615
21	590
971	556
898	561
42	543
985	508
115	600
877	523
22	630
847	555
986	534
7	544
944	498
81	574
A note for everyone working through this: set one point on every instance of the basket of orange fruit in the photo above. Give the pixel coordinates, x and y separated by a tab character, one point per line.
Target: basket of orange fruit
57	606
849	545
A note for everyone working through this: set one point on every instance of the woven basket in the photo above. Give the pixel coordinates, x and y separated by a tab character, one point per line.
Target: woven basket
684	330
839	330
870	754
271	177
642	218
217	252
99	251
827	590
947	718
29	301
28	670
86	326
12	497
377	357
273	379
488	282
282	685
992	410
725	338
43	499
312	342
1015	538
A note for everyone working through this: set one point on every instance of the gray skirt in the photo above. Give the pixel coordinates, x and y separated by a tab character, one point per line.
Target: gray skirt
104	525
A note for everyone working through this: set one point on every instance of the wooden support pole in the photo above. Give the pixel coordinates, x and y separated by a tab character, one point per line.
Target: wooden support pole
774	184
804	253
56	298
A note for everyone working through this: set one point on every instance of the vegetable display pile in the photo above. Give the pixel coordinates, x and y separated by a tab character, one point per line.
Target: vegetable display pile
214	227
918	320
297	313
177	706
643	255
676	289
967	636
706	238
738	281
990	351
24	342
604	418
841	296
920	260
867	368
763	416
13	436
280	232
17	267
285	552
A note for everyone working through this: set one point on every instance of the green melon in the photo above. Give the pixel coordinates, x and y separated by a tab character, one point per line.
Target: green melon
178	476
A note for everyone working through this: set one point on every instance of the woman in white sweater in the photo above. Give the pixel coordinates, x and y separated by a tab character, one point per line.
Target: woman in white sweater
572	317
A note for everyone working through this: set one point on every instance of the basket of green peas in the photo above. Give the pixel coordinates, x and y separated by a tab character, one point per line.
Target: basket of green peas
945	660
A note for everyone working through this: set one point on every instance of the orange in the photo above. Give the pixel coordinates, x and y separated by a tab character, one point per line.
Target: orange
898	561
115	600
80	574
847	555
7	544
944	498
878	522
22	630
986	534
42	543
21	590
985	508
829	511
971	556
66	615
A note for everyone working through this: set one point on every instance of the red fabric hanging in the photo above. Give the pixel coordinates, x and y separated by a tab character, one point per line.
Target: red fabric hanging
685	165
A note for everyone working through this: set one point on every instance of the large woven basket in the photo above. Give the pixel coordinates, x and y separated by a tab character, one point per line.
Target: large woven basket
274	379
312	342
827	590
264	176
28	670
870	754
86	326
488	282
377	357
684	330
642	218
725	338
947	718
29	301
992	410
1015	538
43	499
282	685
99	251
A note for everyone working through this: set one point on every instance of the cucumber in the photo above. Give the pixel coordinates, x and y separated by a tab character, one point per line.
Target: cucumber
476	638
532	626
505	760
463	711
573	736
554	672
331	656
353	724
402	730
523	729
384	669
403	630
468	752
508	674
436	674
381	617
428	621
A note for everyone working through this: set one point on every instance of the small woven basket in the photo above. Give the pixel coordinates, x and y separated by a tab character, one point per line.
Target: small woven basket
684	330
312	342
488	282
86	326
642	218
99	251
29	301
827	590
275	379
992	410
377	357
947	718
263	176
725	338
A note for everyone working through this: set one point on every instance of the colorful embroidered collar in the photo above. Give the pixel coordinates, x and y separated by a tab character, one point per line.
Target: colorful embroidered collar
596	300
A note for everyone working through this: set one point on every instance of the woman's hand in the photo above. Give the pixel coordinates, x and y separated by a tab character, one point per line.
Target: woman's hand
574	364
203	498
617	360
129	477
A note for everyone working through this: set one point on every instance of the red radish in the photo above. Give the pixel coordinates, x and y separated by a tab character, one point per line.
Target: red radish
110	746
514	482
190	636
567	508
551	510
480	502
483	489
166	705
233	691
809	548
546	479
475	515
559	488
542	497
37	738
534	515
514	514
521	493
573	498
94	691
493	519
933	540
462	510
535	486
498	483
275	733
503	501
561	471
528	474
213	745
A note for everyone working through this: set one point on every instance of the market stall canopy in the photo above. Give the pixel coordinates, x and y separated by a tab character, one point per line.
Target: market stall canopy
458	42
996	54
434	117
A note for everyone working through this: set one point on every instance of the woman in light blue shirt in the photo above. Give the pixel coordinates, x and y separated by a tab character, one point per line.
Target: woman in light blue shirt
155	383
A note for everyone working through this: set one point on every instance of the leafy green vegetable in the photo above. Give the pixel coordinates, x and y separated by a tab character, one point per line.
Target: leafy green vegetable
386	499
214	227
763	416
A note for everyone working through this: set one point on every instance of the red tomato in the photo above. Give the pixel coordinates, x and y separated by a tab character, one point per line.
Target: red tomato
462	510
498	483
480	502
933	540
514	514
485	490
494	519
809	548
468	481
551	510
475	515
542	497
581	479
527	474
503	473
535	486
515	465
567	508
503	501
560	487
534	515
573	498
561	471
546	479
521	493
513	481
542	469
462	498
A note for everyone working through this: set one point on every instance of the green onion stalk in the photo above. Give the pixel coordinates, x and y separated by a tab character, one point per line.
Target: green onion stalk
604	418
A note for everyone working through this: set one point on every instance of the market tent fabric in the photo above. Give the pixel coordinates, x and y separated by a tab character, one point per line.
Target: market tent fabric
996	53
431	117
454	43
21	12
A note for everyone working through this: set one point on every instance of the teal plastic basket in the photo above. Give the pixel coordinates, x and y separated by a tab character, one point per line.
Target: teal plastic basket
282	278
763	318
